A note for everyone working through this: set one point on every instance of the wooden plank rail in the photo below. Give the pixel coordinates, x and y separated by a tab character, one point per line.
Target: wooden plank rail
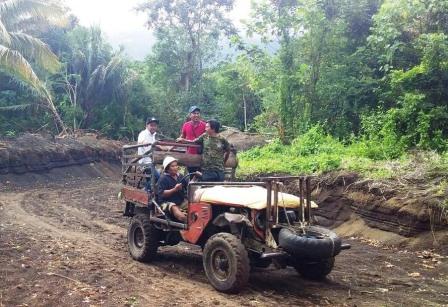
133	156
137	175
130	160
183	158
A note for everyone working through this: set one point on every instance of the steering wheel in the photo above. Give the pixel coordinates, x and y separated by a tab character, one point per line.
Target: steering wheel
186	178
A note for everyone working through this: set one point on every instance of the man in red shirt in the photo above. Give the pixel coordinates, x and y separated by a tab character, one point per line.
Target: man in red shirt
191	130
194	128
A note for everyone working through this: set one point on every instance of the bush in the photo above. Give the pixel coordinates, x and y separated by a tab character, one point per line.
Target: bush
312	152
315	141
315	152
379	139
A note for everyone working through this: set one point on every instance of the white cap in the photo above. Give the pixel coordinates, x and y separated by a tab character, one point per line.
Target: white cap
167	161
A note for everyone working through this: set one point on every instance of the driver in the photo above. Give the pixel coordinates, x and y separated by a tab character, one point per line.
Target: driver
170	190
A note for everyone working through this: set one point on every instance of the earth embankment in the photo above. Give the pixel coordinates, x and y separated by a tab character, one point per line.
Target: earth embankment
388	211
63	242
39	153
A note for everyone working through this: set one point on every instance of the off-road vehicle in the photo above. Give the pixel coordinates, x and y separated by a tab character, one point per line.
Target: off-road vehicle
238	225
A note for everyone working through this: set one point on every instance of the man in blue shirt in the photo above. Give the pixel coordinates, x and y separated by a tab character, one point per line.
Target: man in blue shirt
170	189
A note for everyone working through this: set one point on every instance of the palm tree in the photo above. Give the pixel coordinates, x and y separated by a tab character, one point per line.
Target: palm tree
18	49
101	75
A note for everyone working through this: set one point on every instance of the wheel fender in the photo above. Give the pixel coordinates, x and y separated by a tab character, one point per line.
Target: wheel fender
232	220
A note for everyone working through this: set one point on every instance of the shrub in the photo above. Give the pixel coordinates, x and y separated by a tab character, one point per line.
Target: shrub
315	141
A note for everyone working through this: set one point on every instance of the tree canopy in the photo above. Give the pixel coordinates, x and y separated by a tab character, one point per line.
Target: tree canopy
370	70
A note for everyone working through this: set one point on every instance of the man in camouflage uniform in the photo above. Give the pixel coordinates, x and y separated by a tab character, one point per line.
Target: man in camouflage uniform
215	152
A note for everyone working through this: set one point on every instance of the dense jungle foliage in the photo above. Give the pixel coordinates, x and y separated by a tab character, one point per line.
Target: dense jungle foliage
365	78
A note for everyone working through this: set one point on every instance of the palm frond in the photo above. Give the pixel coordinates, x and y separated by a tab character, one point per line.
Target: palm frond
131	76
4	35
79	62
35	49
96	80
51	10
114	67
18	107
13	63
27	23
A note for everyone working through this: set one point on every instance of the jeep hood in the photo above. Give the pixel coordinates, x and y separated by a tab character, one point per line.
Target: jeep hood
253	197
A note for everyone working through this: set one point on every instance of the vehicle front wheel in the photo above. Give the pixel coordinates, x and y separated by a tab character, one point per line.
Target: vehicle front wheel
226	263
315	269
143	238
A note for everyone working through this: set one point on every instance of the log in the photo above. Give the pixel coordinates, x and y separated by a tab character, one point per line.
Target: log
183	158
191	160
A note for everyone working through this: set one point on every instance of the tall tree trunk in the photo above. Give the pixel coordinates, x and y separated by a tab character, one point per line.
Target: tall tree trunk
60	126
188	75
190	60
316	62
287	115
245	111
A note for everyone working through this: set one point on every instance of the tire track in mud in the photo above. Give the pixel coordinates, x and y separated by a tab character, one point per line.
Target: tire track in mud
20	215
67	211
48	213
77	231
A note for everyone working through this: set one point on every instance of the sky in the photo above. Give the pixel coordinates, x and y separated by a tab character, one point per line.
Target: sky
123	26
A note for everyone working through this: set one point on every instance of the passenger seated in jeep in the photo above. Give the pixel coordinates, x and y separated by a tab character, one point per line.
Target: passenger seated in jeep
170	190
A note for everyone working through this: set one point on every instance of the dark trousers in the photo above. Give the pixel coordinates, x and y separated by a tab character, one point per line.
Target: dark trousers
193	169
212	176
148	179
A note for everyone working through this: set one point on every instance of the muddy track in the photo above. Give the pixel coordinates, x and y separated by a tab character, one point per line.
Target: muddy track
65	244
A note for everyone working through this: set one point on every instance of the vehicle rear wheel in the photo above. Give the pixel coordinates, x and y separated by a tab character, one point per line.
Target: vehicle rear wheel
315	269
226	263
143	238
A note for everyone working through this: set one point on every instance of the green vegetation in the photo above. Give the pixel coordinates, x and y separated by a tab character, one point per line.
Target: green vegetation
316	152
19	48
357	85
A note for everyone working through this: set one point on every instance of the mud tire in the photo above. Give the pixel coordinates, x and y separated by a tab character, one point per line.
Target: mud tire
143	238
315	269
226	263
316	243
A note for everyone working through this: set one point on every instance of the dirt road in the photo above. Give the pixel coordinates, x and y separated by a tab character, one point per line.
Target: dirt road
65	244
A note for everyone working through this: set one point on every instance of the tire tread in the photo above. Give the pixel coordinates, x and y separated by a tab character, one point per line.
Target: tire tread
242	261
148	252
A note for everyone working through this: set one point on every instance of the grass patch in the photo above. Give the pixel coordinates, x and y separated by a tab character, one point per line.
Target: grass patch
317	153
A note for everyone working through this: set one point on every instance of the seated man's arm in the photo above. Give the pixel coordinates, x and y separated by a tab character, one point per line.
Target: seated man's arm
198	140
164	190
140	140
168	193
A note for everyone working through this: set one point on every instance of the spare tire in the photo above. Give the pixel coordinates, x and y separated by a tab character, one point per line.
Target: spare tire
313	242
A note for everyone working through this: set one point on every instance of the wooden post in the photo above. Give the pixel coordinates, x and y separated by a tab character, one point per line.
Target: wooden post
275	201
302	205
308	199
268	205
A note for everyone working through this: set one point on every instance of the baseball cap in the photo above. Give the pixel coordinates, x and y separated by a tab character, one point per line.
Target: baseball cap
194	108
152	120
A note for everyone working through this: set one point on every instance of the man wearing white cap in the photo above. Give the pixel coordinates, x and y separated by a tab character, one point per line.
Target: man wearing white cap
170	189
